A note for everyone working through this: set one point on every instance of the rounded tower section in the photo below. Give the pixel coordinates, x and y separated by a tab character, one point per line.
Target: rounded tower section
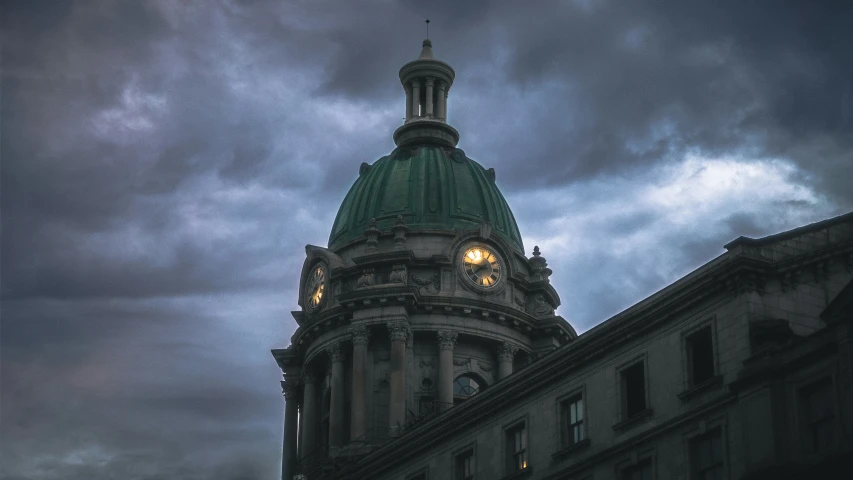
424	296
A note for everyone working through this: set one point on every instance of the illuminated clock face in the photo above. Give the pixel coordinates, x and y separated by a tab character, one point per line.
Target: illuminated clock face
482	266
315	287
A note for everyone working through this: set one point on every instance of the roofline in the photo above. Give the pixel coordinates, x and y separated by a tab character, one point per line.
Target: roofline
789	233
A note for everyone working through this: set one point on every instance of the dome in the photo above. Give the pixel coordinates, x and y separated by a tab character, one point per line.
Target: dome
433	188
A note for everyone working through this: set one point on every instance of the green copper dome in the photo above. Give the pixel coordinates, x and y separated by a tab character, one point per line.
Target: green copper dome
432	188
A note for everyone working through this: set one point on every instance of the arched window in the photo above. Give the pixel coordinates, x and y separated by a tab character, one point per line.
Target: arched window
466	386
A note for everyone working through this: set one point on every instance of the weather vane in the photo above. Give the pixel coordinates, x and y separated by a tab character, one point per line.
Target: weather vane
427	23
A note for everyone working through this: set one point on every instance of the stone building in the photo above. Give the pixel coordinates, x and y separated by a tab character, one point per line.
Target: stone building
428	347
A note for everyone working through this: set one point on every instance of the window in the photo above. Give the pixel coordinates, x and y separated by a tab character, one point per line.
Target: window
641	471
516	440
465	465
573	425
465	387
633	390
700	356
818	415
706	456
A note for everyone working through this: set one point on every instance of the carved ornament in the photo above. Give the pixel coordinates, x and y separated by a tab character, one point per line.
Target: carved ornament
507	351
447	339
334	352
360	334
399	330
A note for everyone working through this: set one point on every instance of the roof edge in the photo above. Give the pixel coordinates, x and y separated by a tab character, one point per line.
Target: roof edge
788	233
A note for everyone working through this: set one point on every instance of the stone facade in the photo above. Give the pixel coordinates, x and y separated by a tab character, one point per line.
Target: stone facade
409	362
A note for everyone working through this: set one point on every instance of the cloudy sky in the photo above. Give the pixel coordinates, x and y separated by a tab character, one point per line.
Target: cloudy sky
164	164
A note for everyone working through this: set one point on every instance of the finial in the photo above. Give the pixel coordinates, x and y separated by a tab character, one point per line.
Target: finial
536	251
427	24
426	52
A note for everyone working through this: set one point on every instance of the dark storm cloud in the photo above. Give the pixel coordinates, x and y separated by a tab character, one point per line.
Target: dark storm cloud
164	163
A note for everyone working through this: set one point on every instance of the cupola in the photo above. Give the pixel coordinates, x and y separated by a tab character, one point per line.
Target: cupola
426	82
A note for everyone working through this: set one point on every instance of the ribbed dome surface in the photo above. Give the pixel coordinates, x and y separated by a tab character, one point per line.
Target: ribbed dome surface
433	188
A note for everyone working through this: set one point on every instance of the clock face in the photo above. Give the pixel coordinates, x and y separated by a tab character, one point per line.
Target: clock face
482	266
315	286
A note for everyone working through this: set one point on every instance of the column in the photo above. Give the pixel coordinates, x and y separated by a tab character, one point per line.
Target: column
309	418
506	352
429	96
399	331
443	101
416	98
336	409
360	335
408	102
446	341
440	98
290	388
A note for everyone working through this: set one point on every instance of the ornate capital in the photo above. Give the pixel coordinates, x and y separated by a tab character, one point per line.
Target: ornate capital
398	330
335	353
290	388
360	334
308	377
416	84
442	85
507	351
430	81
447	339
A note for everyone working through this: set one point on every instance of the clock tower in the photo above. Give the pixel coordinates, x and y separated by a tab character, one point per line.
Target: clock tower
423	297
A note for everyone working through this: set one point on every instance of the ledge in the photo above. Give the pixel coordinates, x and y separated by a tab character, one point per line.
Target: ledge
633	421
518	474
571	449
711	384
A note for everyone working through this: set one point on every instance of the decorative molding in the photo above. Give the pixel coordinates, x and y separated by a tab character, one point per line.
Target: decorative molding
447	339
308	377
372	235
541	308
507	351
399	274
433	281
367	279
460	361
399	330
334	352
360	334
399	230
538	266
291	388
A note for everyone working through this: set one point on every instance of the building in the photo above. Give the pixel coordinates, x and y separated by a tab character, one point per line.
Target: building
428	345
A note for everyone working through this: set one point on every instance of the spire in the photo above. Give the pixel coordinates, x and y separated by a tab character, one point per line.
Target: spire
426	82
426	53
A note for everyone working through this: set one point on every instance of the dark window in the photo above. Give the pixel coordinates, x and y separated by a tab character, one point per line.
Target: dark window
465	386
634	390
818	415
573	424
700	356
465	465
706	455
641	471
517	447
